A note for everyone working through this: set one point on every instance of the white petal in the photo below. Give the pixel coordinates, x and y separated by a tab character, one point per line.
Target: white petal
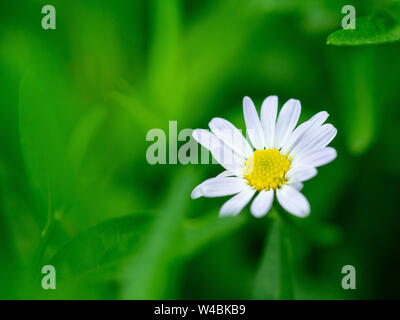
224	155
197	192
230	160
254	129
231	136
225	173
206	138
236	204
319	118
299	174
262	203
315	121
269	111
318	158
219	187
293	201
287	120
317	138
297	185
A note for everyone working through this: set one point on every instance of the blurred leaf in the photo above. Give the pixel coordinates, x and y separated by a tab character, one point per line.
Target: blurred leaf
109	241
274	277
8	270
46	100
380	27
82	135
333	178
152	269
143	116
209	63
202	231
118	238
96	66
165	78
358	98
321	234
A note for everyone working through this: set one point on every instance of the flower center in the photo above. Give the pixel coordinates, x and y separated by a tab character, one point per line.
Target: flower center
266	169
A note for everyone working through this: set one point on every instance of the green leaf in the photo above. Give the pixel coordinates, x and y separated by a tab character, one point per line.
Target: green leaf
202	231
202	46
274	277
46	102
105	243
136	239
359	102
165	79
380	27
83	134
118	238
151	271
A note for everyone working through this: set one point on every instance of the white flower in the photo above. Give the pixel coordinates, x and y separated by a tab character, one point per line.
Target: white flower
277	160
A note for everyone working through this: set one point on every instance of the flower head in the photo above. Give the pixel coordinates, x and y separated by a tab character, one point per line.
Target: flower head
276	160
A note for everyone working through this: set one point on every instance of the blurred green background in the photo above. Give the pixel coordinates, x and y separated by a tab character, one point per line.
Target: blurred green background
76	190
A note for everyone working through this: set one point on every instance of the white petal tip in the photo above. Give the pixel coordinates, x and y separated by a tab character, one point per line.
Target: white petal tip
212	121
196	193
271	99
259	216
247	101
196	134
293	201
223	214
262	204
303	214
293	101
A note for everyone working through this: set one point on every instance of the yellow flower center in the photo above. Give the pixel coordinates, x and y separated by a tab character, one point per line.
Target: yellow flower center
266	169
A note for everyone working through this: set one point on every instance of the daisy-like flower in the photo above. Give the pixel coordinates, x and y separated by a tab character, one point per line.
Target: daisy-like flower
278	159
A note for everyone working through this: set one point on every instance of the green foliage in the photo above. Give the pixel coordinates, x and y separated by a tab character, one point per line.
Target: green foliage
43	141
150	270
359	100
274	277
378	28
115	239
110	241
200	232
76	190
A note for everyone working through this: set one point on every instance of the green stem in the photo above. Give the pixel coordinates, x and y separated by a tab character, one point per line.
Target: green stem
286	288
274	278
